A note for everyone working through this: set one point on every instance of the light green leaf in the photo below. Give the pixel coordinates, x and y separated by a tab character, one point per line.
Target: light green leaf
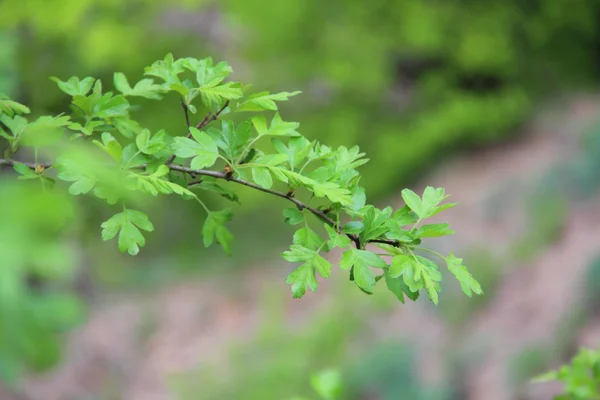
260	124
264	101
434	230
361	261
203	149
298	253
44	131
25	171
466	280
126	224
327	384
262	177
110	145
10	107
308	238
302	278
336	239
73	86
322	266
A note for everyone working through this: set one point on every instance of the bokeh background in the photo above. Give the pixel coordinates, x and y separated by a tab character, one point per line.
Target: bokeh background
496	101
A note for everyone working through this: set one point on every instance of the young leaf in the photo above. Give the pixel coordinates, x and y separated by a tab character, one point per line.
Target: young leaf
214	229
302	278
25	171
126	224
203	149
466	280
308	238
336	239
361	261
429	206
434	230
73	86
10	107
262	176
264	101
374	223
110	146
44	131
153	145
144	88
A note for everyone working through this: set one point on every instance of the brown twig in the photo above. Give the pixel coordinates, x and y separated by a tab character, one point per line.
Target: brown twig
10	162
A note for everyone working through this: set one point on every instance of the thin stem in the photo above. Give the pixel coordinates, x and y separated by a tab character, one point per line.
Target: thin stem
203	205
431	251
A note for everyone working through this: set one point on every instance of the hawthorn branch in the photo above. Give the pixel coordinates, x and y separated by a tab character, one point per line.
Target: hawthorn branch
227	177
10	162
300	204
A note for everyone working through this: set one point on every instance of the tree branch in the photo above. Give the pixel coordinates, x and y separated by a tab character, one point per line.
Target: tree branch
10	162
301	205
227	176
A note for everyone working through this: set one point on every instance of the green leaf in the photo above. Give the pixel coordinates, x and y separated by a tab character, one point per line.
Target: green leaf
327	384
10	107
209	184
214	229
44	131
466	280
434	230
73	86
293	216
360	261
110	146
413	201
302	278
144	88
353	227
203	149
260	124
25	171
336	239
322	266
404	217
308	238
432	289
153	145
166	69
429	206
264	101
231	139
262	176
126	224
374	222
298	253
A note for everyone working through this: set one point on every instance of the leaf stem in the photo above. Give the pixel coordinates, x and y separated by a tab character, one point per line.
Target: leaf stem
431	251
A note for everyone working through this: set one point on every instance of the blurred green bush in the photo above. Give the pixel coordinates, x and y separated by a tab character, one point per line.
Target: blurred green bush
407	80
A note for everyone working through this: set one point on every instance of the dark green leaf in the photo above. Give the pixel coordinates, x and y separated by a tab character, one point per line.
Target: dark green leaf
214	228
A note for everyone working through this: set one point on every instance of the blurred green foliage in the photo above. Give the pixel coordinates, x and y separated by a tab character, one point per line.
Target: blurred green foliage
37	305
405	80
277	361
